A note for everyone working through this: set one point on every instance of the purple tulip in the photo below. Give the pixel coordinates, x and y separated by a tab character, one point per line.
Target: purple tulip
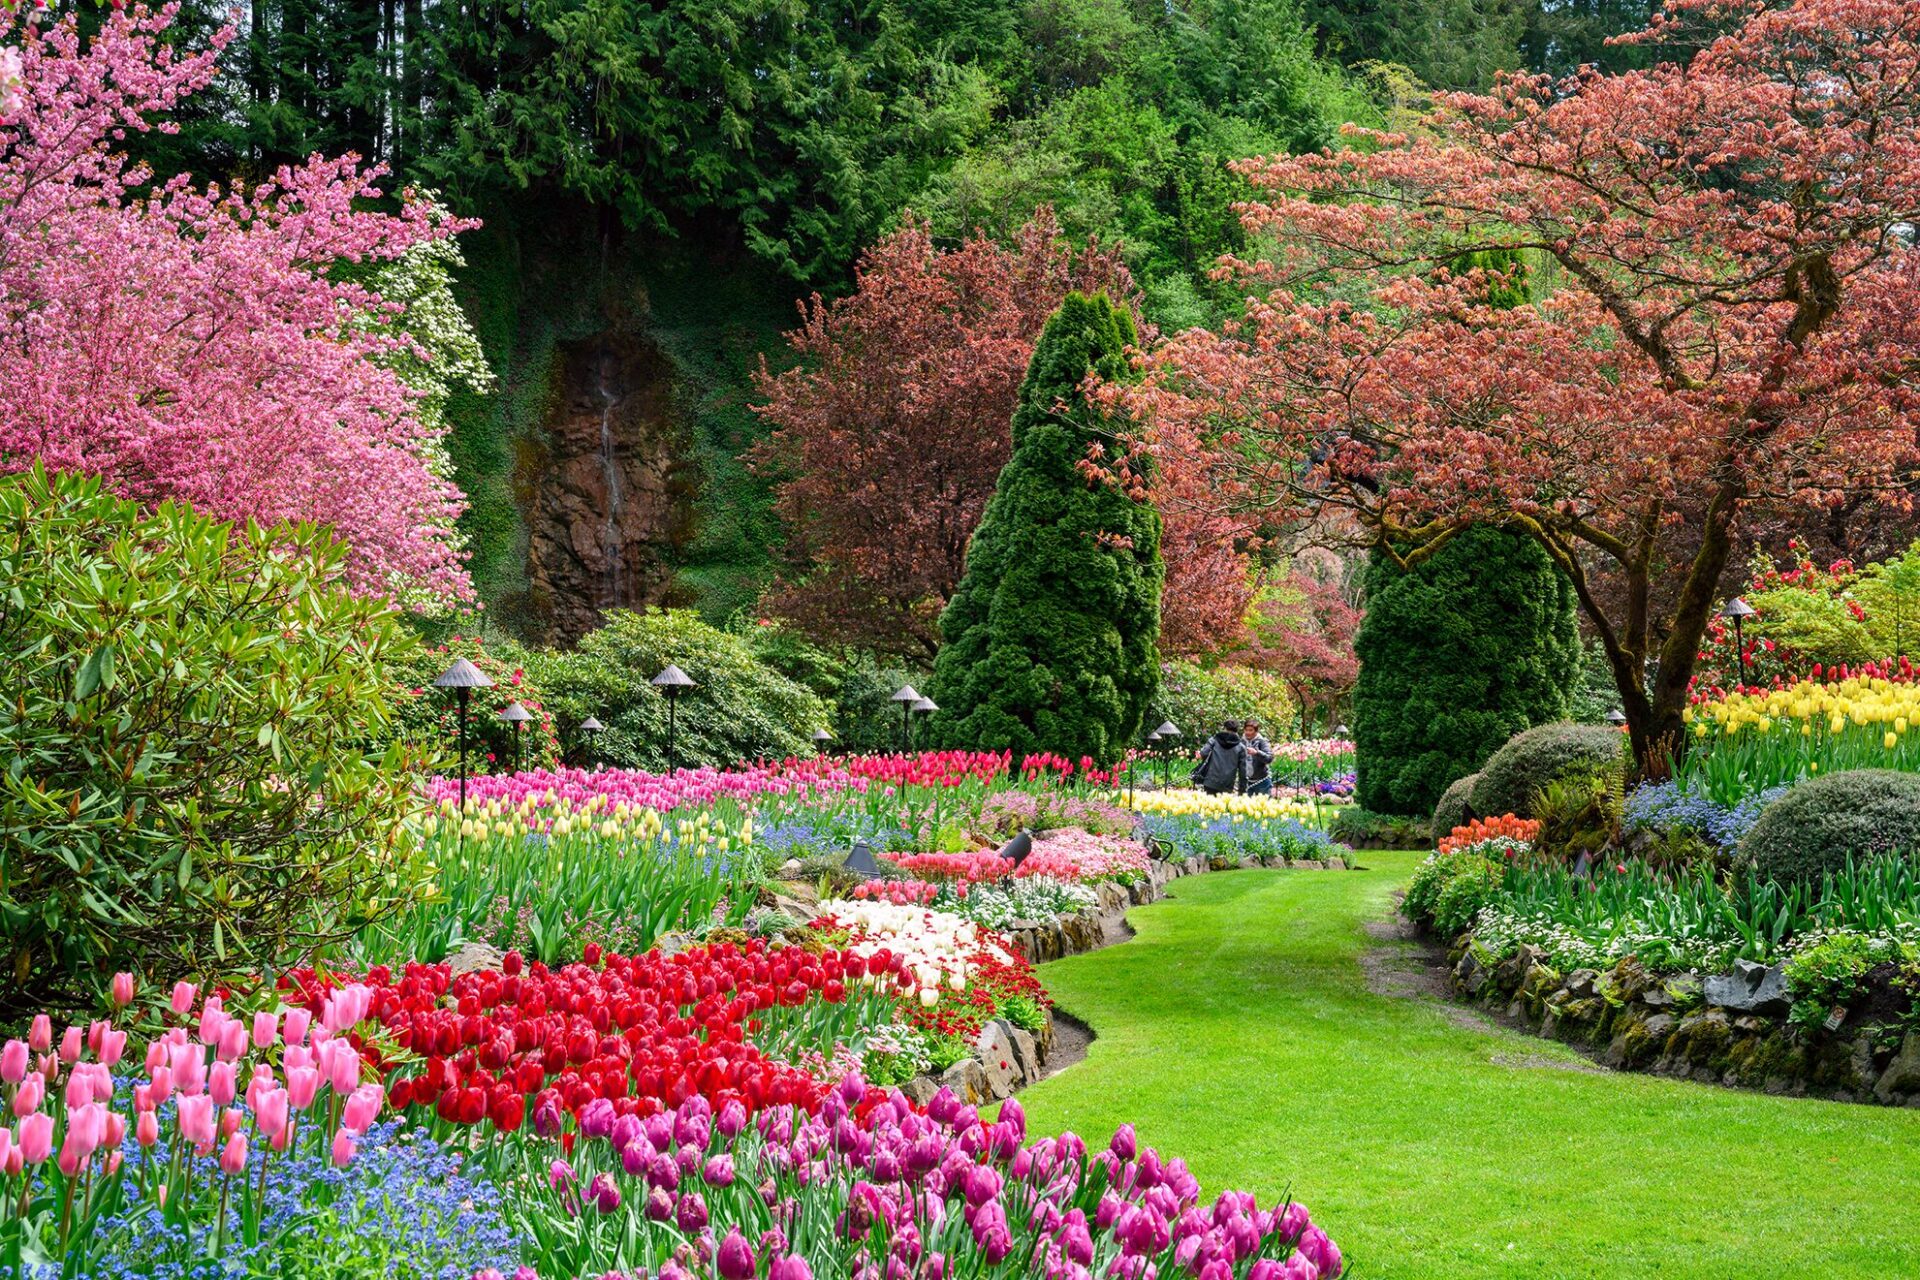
719	1171
636	1158
659	1205
603	1193
735	1258
1015	1115
596	1118
690	1214
1076	1242
560	1174
943	1106
790	1267
732	1120
625	1130
853	1089
1123	1145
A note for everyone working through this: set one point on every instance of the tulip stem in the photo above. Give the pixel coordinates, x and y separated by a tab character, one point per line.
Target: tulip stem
220	1223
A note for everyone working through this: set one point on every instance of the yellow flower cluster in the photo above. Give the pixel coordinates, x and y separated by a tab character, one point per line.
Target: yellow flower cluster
490	819
1809	706
1225	804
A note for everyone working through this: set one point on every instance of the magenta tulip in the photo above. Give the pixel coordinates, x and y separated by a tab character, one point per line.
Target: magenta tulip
735	1258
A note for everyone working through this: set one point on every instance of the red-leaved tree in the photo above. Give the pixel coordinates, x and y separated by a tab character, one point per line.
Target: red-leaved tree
1723	324
1303	629
189	343
892	427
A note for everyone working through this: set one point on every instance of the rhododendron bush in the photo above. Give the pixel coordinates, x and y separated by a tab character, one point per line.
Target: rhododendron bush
191	343
1721	332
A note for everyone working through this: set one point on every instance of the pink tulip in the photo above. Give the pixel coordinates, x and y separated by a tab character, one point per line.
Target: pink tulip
224	1083
270	1112
363	1107
264	1030
26	1099
189	1070
343	1148
296	1055
295	1025
95	1029
73	1157
113	1047
122	989
230	1120
233	1156
71	1044
79	1088
156	1054
6	1145
303	1083
40	1036
258	1084
114	1160
196	1119
146	1130
233	1040
14	1058
162	1087
49	1067
213	1021
183	995
342	1066
36	1138
116	1130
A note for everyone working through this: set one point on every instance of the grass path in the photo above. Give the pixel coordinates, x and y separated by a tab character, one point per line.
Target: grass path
1238	1030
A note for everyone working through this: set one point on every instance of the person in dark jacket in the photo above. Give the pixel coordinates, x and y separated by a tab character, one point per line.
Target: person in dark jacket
1259	760
1223	761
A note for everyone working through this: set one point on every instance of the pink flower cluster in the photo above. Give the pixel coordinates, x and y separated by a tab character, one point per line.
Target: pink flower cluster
573	790
901	893
1072	854
967	868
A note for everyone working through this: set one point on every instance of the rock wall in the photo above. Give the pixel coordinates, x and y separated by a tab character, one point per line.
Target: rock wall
1729	1029
611	504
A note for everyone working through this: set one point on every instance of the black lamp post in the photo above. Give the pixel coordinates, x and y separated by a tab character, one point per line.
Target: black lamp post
463	678
821	737
906	696
1738	610
925	707
517	716
591	727
673	682
1616	718
1167	730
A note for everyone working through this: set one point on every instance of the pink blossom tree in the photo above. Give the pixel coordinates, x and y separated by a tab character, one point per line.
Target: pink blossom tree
195	343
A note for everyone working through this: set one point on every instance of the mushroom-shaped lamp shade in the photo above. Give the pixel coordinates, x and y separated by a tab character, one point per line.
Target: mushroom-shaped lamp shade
907	694
672	680
1616	717
925	705
1168	729
822	735
1737	608
516	713
1341	731
860	861
462	675
591	725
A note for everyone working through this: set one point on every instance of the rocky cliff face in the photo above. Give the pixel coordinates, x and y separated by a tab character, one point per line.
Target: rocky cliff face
611	503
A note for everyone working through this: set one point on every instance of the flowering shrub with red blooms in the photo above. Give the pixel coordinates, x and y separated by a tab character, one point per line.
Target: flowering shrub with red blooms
721	1023
1509	836
967	868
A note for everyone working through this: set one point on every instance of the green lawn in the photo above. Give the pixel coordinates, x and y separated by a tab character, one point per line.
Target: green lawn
1238	1030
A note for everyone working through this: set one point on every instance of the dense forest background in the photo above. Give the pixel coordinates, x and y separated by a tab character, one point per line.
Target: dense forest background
661	182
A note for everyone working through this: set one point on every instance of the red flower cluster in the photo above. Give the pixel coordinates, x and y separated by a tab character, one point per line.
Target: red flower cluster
642	1031
992	978
967	868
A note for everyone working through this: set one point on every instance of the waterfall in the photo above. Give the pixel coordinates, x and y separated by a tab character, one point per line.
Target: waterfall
610	538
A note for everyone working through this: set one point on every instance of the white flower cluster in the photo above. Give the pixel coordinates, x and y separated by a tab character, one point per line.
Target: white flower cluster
1032	898
937	946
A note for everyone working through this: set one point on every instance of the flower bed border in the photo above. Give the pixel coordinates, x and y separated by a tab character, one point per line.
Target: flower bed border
1672	1026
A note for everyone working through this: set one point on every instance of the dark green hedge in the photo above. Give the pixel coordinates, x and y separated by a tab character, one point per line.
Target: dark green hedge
1822	822
1457	654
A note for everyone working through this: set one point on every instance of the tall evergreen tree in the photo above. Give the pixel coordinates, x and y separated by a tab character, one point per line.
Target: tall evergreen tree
1051	635
1457	654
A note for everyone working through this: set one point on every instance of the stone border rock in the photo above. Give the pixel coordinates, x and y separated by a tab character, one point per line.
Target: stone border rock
1007	1058
1728	1029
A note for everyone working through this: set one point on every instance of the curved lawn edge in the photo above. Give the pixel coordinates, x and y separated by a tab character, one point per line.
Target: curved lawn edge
1237	1030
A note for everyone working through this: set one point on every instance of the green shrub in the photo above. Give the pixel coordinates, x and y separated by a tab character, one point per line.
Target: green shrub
1198	698
1530	760
1828	973
428	718
1457	654
1356	826
1052	635
740	709
1447	891
189	783
1819	824
1455	808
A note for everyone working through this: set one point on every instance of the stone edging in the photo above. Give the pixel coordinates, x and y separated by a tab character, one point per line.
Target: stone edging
1728	1029
1007	1058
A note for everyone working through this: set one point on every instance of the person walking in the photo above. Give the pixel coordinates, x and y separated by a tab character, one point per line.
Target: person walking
1259	780
1223	761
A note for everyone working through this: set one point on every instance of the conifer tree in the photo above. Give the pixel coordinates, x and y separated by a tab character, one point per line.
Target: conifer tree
1051	637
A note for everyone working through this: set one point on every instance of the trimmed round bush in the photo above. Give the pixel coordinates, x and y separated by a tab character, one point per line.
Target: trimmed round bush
1455	807
1820	823
1532	759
